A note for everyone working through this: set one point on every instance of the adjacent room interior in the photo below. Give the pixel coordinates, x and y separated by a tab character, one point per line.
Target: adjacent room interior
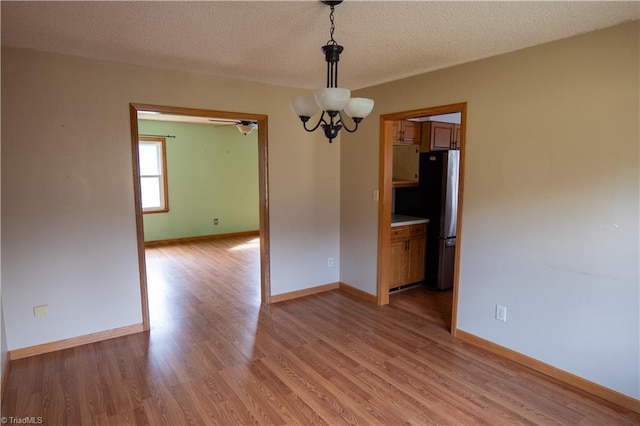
203	186
421	196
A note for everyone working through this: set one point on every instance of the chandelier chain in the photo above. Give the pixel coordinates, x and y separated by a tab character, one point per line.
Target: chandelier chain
333	27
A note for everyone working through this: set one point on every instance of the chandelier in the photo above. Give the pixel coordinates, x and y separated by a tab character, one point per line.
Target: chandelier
333	99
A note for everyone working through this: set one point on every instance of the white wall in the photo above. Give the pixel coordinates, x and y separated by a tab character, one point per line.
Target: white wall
551	199
68	224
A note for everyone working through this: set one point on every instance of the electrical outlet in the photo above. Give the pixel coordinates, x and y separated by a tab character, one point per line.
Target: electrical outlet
501	313
330	262
215	221
40	311
375	195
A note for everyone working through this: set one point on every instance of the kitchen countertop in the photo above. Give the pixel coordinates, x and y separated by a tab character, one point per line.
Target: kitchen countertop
402	220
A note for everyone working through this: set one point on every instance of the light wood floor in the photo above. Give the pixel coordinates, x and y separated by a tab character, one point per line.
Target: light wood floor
215	356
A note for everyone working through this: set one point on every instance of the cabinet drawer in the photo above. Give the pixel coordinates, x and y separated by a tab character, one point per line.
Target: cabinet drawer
419	229
408	231
399	232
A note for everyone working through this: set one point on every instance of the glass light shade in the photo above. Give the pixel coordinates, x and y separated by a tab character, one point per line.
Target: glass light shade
245	129
304	106
332	98
359	107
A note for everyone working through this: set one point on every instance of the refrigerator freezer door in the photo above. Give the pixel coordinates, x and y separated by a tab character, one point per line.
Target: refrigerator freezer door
446	264
451	196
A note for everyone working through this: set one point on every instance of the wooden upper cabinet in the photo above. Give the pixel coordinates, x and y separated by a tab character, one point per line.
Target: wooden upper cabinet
406	132
412	132
438	136
395	132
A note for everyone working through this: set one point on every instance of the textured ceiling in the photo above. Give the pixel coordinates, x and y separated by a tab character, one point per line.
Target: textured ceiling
279	41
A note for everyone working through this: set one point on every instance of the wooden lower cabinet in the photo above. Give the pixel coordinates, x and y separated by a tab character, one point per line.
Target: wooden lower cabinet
416	259
399	263
407	254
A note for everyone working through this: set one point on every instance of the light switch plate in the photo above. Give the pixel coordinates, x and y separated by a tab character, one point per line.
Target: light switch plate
501	313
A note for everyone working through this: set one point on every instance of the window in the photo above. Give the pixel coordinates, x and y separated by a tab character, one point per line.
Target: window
153	175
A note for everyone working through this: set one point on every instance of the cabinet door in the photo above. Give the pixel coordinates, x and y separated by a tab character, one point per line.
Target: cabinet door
396	128
441	136
399	263
415	265
436	136
405	132
406	165
411	132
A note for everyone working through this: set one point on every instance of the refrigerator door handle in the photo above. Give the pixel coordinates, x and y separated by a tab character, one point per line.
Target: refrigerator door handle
451	193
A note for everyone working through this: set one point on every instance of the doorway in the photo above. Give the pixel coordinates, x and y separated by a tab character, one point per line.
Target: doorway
388	133
263	188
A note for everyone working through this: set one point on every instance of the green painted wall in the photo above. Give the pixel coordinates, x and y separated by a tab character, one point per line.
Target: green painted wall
212	173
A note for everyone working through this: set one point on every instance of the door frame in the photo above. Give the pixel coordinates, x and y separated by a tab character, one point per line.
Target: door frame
385	188
263	188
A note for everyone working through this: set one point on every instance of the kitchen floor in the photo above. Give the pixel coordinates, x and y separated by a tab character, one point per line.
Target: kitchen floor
433	305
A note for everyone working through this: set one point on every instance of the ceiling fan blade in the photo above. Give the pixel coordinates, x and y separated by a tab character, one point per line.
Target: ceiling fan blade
226	121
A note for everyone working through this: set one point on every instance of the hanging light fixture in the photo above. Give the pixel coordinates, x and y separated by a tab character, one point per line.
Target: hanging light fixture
332	99
246	127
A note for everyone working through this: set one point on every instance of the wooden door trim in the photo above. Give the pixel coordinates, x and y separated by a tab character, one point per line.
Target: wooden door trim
263	188
384	207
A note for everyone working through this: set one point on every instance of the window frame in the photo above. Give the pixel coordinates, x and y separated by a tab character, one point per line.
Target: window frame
164	186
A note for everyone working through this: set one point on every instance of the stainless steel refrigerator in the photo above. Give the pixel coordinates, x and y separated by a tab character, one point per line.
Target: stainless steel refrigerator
436	198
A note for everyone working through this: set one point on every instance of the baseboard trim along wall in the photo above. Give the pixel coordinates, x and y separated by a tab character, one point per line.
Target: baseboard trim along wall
362	295
564	376
304	292
200	238
73	342
356	292
5	374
